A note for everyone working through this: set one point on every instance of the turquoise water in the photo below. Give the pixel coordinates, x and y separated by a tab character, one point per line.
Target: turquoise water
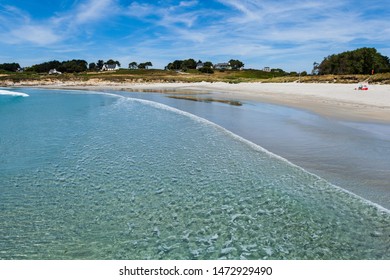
87	176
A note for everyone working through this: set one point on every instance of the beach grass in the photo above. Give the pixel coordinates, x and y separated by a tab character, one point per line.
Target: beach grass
190	76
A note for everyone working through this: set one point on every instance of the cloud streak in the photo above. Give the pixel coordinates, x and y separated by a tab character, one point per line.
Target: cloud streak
56	28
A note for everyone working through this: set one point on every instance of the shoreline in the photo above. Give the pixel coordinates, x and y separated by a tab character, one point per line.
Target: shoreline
340	101
329	100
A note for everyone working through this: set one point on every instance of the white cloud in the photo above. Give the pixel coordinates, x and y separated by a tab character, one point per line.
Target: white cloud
95	10
38	35
140	10
19	27
188	3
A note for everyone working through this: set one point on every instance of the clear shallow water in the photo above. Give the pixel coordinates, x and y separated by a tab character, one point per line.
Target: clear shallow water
353	155
100	177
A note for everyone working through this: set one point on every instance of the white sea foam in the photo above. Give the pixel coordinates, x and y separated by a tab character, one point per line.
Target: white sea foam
12	93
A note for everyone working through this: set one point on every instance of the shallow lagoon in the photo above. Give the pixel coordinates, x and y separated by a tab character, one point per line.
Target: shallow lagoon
103	177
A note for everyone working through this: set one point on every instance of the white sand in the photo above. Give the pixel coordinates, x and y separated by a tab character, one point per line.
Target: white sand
332	100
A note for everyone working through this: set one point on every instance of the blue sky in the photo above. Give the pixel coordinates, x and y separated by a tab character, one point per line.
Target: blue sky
283	34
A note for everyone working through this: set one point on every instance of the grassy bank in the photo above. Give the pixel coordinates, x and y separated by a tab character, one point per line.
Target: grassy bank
155	75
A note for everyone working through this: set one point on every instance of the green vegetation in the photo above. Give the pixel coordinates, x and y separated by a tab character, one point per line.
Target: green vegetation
360	61
162	76
236	64
183	65
11	67
347	67
70	66
145	65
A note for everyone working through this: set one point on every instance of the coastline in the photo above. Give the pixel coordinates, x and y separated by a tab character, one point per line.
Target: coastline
340	101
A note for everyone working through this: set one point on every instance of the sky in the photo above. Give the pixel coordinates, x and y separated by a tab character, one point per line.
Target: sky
286	34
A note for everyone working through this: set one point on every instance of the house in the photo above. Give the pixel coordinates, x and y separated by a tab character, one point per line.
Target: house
267	69
110	67
199	65
222	66
54	72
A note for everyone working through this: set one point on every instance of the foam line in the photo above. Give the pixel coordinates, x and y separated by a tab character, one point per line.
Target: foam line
12	93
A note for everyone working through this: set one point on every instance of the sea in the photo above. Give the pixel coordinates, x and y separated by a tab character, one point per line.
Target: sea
89	175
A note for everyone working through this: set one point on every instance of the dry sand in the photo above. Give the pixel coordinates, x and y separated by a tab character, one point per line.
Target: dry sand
330	100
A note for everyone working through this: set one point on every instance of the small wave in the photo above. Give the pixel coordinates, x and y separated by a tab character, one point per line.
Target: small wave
12	93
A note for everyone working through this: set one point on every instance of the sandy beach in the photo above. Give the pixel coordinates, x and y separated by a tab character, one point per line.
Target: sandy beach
331	100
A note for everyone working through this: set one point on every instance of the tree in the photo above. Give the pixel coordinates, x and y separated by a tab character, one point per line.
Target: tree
176	65
45	67
236	64
188	64
316	68
133	65
207	68
145	65
111	61
208	64
182	64
100	64
72	66
92	66
359	61
12	67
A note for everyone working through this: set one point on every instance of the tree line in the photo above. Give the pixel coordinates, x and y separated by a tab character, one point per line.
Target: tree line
71	66
99	64
205	67
68	66
142	65
359	61
11	67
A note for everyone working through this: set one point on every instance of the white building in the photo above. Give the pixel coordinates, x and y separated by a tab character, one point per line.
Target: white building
222	66
54	72
110	67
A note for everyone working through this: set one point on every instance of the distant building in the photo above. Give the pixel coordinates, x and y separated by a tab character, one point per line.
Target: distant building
110	67
54	72
222	66
267	69
199	65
